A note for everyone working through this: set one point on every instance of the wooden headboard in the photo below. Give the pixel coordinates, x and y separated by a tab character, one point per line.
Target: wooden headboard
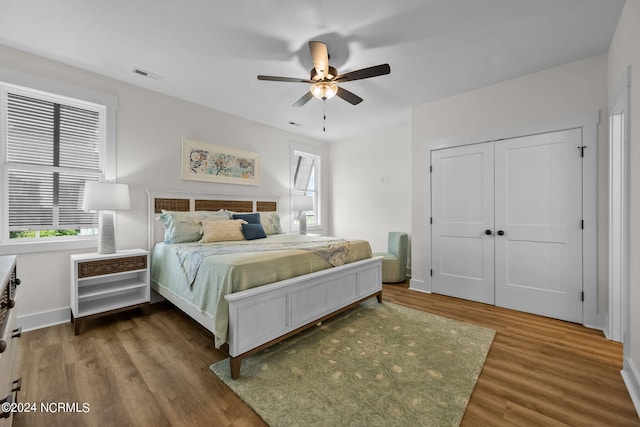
190	202
201	204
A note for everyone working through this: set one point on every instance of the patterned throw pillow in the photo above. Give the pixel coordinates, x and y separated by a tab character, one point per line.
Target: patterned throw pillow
222	230
271	222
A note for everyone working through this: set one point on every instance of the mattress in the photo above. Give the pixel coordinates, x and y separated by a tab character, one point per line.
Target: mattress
227	267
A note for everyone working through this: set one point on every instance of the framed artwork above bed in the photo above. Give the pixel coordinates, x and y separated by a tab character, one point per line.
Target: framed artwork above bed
213	163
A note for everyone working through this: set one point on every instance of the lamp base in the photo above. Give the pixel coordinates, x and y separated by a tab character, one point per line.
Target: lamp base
303	223
107	238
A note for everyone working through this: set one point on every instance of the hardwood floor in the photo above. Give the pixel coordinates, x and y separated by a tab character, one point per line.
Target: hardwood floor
539	371
154	371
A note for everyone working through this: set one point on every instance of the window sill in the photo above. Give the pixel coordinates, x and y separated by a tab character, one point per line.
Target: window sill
314	229
15	248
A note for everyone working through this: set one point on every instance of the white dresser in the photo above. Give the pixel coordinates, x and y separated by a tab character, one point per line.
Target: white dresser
9	383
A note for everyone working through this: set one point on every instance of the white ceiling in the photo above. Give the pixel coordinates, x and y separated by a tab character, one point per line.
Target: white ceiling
210	51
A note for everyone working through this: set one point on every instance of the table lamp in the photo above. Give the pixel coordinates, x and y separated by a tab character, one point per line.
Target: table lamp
302	204
105	196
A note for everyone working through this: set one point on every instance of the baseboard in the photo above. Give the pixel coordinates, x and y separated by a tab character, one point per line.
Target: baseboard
598	328
45	319
598	321
418	285
155	297
631	377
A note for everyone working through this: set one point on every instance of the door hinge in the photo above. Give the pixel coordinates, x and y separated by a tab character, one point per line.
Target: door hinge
431	272
582	224
581	148
430	220
582	296
430	168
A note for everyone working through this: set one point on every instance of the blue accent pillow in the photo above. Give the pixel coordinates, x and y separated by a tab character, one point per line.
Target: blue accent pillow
253	231
251	218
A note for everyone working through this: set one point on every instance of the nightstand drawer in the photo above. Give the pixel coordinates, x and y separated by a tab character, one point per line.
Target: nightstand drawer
110	266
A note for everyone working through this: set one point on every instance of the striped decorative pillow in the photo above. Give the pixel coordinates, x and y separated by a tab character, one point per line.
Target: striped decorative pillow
222	230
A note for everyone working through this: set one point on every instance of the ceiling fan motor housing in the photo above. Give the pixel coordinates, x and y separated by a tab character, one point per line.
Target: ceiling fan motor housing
330	75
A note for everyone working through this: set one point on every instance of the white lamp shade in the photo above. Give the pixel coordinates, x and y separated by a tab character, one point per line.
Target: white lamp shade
105	196
302	203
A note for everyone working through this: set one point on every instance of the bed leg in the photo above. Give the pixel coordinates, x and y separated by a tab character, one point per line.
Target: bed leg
234	366
379	297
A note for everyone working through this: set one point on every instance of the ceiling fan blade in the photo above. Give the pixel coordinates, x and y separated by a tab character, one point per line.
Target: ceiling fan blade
304	99
350	97
365	73
320	57
284	79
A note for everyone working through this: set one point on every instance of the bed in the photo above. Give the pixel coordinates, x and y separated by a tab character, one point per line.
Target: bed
254	293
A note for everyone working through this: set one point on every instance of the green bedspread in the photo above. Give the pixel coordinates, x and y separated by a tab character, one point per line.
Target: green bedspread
224	273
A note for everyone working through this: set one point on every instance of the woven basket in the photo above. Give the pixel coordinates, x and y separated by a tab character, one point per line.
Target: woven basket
110	266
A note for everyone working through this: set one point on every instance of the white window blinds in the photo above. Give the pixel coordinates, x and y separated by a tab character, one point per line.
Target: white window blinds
52	149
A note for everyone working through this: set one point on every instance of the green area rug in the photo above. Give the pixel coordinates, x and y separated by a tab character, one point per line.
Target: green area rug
374	365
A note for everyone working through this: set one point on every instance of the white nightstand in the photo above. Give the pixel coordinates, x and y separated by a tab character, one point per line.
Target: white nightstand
104	284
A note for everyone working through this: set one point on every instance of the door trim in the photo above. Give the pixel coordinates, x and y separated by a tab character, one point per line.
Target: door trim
619	178
588	122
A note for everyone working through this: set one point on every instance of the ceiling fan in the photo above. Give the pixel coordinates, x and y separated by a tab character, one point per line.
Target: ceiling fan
324	78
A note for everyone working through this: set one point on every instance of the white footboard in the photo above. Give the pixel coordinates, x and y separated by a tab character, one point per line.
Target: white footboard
262	315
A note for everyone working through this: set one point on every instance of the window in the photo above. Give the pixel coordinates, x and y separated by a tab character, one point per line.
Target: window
50	146
305	172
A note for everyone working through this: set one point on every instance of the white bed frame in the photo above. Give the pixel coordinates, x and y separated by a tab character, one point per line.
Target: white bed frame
262	316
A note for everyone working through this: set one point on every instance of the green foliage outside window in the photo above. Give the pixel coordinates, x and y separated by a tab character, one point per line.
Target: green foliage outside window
42	233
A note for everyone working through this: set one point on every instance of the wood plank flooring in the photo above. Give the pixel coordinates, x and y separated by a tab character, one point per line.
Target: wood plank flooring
153	370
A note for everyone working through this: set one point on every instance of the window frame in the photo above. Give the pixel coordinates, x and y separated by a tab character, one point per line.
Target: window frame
318	164
60	92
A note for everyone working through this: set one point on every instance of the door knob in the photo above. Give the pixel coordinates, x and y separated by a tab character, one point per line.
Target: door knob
487	232
500	233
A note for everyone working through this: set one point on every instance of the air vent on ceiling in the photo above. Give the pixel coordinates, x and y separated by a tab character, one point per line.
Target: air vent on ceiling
149	74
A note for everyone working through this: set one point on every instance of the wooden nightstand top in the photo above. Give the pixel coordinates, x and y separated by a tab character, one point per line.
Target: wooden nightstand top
120	254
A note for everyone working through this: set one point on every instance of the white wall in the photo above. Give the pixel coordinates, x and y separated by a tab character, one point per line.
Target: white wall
561	91
150	127
625	51
371	186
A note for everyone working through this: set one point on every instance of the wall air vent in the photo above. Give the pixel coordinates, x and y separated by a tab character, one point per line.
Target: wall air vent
149	74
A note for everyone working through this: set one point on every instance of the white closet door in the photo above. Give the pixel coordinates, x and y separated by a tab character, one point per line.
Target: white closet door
538	207
462	209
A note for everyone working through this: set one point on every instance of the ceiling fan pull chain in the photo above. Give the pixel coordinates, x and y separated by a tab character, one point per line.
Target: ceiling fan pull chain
324	116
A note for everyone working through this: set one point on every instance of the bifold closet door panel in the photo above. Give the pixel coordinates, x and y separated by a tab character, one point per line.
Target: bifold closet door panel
538	212
462	222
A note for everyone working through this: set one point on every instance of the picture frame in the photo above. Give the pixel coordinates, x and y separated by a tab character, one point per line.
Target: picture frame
213	163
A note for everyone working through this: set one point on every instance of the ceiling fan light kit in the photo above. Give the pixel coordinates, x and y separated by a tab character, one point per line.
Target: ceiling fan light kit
324	90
